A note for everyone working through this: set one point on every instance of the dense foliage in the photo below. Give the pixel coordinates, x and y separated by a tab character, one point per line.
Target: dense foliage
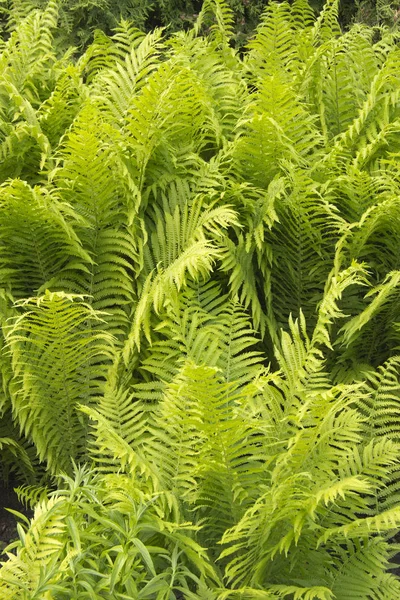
78	19
200	310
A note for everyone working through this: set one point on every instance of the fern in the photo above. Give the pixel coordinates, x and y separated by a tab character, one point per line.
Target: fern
23	573
51	377
136	57
199	298
275	129
40	245
156	553
99	199
181	246
223	28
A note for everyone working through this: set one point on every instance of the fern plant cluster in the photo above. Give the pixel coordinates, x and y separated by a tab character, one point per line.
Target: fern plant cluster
79	19
200	310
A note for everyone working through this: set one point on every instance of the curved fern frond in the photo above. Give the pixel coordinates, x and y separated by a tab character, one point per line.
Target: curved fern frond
273	49
196	260
37	239
276	128
352	329
110	445
340	86
327	25
182	242
59	110
114	88
94	180
301	247
172	114
222	13
206	453
24	573
56	359
190	328
14	457
221	74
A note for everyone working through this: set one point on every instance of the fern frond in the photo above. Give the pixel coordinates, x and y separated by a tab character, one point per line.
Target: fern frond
180	247
360	575
276	128
220	73
109	446
381	404
273	49
207	454
303	16
301	248
31	495
94	180
327	25
171	114
37	239
24	572
238	361
223	15
341	88
196	260
351	330
190	328
59	110
56	359
115	87
14	458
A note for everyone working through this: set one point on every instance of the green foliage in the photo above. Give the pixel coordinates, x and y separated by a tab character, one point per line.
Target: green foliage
56	355
141	551
199	307
80	19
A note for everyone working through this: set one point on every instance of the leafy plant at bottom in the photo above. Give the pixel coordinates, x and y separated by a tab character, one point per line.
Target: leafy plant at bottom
100	537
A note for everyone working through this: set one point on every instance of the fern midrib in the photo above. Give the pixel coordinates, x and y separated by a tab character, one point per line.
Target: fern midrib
42	269
69	404
337	111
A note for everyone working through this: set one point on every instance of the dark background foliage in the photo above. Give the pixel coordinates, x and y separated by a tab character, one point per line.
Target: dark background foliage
81	17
